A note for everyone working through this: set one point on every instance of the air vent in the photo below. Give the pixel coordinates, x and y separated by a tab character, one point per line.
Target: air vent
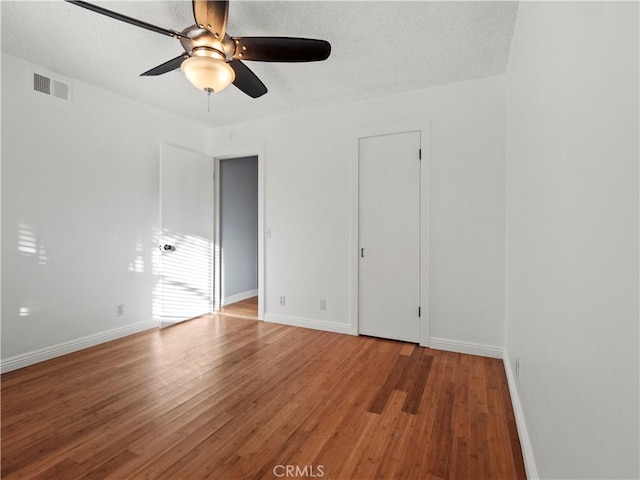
60	90
52	87
41	84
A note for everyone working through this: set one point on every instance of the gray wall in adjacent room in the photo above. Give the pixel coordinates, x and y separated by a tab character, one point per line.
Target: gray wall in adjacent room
239	225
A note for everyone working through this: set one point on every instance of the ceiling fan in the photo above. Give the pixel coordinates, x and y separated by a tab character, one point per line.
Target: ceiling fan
212	59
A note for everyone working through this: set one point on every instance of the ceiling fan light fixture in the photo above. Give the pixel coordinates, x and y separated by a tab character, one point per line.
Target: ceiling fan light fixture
207	73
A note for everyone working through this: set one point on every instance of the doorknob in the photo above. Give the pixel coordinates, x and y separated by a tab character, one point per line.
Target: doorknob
167	247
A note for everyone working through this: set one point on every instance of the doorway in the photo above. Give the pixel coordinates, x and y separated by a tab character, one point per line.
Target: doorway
238	236
389	235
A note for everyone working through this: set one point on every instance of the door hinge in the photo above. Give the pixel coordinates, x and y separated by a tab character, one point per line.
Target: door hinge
419	311
419	154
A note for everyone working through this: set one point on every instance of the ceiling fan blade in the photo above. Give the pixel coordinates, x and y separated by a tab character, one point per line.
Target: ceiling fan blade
126	19
246	80
166	66
281	49
212	15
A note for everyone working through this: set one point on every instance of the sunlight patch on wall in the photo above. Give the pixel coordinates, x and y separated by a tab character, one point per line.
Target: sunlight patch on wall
42	256
29	309
28	244
137	266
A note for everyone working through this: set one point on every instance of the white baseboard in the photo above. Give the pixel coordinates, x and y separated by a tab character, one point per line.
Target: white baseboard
308	323
523	433
59	349
238	297
458	346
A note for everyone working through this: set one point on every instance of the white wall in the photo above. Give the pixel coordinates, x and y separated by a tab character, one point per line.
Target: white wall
572	235
308	167
79	210
239	227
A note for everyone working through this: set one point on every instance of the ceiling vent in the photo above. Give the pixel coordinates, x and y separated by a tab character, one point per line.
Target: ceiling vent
51	87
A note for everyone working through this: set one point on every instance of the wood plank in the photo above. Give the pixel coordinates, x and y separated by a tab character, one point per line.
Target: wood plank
442	435
380	401
417	377
461	421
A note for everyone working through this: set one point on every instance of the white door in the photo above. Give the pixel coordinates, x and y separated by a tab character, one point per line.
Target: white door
186	234
389	236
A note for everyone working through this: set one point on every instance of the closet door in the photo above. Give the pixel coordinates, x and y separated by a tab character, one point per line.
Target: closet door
389	236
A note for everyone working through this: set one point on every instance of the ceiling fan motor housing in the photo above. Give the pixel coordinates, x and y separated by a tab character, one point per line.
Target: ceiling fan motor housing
200	41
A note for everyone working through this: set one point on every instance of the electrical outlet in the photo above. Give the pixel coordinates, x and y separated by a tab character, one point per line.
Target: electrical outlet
120	310
322	304
517	367
282	300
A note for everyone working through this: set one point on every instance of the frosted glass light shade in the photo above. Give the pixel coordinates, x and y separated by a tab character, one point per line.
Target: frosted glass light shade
208	73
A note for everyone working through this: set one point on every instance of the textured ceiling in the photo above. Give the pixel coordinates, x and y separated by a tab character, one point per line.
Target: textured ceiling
378	48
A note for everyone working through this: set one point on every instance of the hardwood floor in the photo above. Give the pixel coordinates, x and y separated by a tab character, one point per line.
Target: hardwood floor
229	398
244	309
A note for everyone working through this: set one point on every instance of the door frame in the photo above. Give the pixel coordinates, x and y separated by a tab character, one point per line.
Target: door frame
425	216
256	150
